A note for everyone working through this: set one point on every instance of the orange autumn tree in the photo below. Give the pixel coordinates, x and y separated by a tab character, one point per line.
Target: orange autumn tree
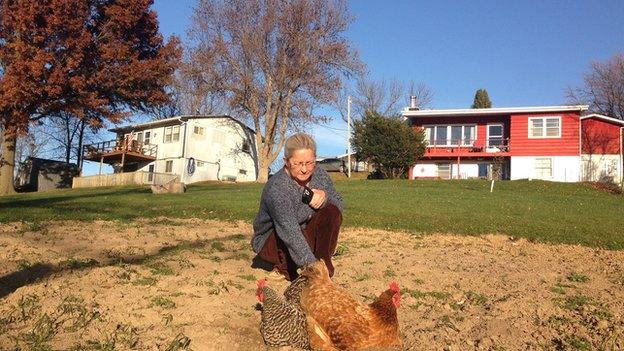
97	60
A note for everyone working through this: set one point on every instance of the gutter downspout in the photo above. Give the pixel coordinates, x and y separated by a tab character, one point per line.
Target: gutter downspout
183	175
621	160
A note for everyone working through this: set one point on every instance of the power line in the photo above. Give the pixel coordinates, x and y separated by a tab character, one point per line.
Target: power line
332	128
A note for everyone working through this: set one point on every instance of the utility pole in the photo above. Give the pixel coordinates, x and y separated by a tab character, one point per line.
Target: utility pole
349	136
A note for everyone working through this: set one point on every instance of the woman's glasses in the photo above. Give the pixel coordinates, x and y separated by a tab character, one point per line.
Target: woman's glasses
308	164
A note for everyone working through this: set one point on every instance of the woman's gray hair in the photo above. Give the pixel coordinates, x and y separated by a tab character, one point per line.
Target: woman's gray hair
297	142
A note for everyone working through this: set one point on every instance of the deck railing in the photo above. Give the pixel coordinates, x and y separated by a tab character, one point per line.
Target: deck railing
493	145
126	145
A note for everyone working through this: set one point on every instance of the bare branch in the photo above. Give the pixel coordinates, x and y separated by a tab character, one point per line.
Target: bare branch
273	61
603	89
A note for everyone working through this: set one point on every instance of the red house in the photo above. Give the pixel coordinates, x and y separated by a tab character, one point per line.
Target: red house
558	143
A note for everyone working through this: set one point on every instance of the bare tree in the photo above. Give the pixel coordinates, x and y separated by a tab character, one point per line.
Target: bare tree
422	92
191	94
30	145
273	61
65	135
386	97
604	88
378	96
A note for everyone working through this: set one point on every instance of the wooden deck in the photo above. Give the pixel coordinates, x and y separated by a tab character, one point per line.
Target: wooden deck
120	151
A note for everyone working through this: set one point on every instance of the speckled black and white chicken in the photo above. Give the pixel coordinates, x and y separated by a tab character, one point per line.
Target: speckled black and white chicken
282	321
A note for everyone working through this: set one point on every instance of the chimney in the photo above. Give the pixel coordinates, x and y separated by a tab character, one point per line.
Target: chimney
413	103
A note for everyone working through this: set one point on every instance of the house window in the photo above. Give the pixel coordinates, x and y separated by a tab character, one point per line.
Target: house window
242	171
147	137
198	130
139	136
176	133
172	134
543	168
456	135
200	163
495	135
450	135
169	166
246	147
218	136
444	170
545	127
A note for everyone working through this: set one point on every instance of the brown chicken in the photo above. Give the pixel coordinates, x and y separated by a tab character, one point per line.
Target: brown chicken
348	323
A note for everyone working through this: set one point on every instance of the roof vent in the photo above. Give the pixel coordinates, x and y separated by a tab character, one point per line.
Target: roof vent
414	103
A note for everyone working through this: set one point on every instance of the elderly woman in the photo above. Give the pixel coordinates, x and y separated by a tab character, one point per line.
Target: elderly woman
300	213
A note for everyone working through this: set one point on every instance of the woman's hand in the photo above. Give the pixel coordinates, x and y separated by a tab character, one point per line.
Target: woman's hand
318	199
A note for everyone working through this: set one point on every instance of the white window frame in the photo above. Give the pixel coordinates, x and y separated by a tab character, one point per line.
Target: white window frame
536	176
219	136
543	136
487	132
174	134
169	166
167	133
448	134
147	136
138	136
199	130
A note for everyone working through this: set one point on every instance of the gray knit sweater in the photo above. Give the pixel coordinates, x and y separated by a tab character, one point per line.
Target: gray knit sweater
282	210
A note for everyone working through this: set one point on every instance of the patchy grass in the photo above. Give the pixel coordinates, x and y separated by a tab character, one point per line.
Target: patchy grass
475	298
248	277
71	314
163	302
389	273
362	277
558	289
148	281
536	210
341	249
77	263
417	294
573	303
577	278
159	268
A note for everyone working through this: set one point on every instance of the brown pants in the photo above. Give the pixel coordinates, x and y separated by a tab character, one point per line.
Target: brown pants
321	233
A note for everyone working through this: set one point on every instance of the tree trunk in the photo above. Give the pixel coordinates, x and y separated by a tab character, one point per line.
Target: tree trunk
80	142
263	169
7	163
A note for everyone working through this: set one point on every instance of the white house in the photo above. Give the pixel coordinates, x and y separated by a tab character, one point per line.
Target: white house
195	148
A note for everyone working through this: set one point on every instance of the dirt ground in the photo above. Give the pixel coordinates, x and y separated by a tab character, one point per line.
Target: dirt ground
164	284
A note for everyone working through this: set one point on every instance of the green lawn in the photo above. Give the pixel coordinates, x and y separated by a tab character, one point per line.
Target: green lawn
551	212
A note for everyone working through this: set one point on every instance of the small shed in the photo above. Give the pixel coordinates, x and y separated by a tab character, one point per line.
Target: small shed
38	174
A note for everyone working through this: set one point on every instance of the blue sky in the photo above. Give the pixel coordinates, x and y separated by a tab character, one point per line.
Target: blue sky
525	53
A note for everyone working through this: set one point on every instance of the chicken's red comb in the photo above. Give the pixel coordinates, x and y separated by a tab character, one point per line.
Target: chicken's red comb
261	283
394	286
